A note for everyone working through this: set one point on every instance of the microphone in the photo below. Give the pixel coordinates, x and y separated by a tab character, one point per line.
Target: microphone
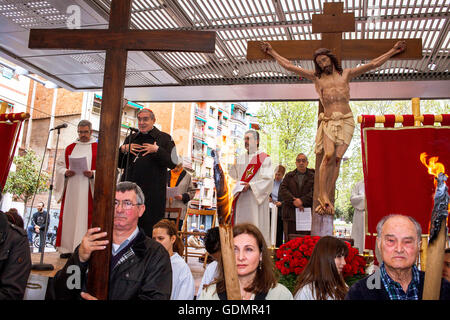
133	129
61	126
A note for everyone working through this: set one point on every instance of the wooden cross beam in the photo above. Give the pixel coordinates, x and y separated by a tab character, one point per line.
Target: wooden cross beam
331	24
117	40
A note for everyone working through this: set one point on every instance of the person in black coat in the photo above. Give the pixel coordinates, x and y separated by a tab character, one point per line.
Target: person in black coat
15	260
37	225
145	157
140	267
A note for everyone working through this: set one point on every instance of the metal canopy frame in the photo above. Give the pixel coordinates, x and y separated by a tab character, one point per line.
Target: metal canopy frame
227	71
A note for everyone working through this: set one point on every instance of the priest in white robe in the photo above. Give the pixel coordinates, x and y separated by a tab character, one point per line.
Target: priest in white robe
358	201
74	188
254	182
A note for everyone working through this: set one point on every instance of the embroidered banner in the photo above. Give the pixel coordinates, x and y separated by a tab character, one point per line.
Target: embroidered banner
395	179
9	131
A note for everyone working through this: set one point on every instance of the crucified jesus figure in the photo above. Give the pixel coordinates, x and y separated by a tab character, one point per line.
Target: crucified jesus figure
336	127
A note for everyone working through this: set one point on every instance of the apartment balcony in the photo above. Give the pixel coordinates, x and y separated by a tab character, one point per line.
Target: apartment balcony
200	112
239	119
199	134
198	156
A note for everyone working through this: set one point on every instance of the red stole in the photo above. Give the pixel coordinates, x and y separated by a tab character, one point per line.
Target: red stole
252	168
68	152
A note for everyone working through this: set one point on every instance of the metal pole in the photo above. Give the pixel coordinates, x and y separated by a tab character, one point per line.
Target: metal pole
41	265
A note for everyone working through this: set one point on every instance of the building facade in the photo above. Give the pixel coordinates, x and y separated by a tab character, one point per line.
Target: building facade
196	127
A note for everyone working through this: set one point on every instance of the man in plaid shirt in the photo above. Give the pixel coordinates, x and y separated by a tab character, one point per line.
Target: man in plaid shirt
398	241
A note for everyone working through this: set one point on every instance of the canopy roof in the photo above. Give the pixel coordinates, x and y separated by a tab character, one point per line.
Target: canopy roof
226	74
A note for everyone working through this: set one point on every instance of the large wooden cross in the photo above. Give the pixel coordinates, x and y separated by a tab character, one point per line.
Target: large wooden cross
117	40
331	24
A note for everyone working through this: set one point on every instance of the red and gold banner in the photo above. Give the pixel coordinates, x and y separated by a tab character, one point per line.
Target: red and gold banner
395	179
10	125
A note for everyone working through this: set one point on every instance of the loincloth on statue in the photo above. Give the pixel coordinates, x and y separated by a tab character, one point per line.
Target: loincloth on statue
338	127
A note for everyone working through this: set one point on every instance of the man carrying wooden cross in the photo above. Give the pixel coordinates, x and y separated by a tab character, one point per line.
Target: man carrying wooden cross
336	127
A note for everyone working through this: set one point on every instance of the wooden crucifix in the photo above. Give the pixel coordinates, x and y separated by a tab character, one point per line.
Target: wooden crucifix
117	40
331	24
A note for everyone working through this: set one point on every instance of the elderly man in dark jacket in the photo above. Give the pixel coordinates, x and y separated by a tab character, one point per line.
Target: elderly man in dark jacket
140	267
398	278
296	191
15	260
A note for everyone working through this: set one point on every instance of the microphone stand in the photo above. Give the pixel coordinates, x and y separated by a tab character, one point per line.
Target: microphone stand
42	266
37	183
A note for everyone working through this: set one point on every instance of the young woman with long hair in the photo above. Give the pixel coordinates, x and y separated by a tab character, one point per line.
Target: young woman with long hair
254	267
322	277
183	286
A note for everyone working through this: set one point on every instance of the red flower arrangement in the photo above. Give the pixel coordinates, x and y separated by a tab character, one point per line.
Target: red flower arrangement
292	257
355	263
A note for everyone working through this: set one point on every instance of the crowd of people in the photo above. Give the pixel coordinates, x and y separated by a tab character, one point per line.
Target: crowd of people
146	261
144	267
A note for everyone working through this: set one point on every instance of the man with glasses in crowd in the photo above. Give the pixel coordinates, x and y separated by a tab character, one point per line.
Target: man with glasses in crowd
75	190
145	157
140	267
296	191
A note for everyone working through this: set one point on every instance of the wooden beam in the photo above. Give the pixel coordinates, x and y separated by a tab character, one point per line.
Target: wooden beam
105	176
333	41
229	262
107	151
333	19
116	40
372	48
330	8
351	49
290	49
323	23
133	40
434	265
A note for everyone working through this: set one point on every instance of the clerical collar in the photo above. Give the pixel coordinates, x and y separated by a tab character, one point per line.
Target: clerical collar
153	132
146	132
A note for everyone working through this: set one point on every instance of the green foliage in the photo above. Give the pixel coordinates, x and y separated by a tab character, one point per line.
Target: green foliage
288	128
289	280
22	183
